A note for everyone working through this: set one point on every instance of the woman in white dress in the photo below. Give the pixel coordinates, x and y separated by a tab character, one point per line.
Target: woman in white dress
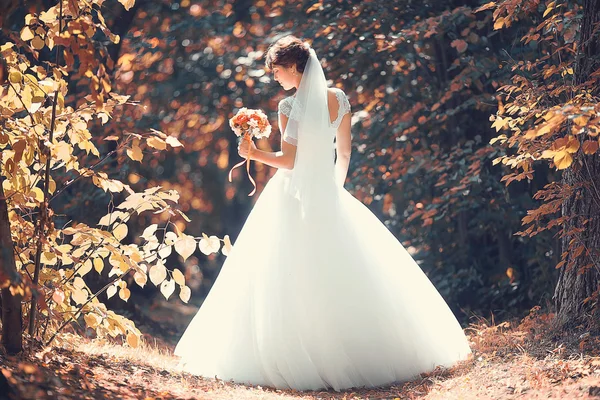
316	292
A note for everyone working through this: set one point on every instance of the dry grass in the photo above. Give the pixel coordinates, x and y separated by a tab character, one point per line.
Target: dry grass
527	359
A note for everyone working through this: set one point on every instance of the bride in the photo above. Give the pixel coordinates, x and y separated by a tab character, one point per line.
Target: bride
316	292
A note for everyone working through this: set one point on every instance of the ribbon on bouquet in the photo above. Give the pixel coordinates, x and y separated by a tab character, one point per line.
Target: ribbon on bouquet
248	139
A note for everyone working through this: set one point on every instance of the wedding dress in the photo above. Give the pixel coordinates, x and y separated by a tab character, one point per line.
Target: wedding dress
316	292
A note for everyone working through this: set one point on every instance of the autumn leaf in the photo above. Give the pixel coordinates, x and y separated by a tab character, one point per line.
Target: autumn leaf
140	279
124	294
85	268
167	288
149	231
563	159
590	146
173	142
226	250
133	340
487	6
58	296
26	34
178	277
127	4
185	246
92	320
158	273
499	123
460	45
185	294
209	245
79	296
111	291
156	143
120	231
581	120
98	265
135	153
499	23
549	9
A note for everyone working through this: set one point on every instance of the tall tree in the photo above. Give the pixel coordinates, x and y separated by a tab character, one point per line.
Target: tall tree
11	301
578	281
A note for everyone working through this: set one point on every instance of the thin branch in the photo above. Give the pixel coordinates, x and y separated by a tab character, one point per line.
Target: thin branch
85	304
45	204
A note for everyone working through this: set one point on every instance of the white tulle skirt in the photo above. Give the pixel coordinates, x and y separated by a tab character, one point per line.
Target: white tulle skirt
328	302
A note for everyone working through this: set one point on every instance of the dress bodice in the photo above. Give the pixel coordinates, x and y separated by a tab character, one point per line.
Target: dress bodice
286	108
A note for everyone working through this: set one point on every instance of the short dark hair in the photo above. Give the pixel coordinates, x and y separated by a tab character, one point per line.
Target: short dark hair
288	51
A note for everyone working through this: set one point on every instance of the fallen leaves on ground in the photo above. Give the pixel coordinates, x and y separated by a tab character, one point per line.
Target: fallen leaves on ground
526	360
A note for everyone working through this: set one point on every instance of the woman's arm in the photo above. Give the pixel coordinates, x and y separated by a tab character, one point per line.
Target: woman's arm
280	159
343	149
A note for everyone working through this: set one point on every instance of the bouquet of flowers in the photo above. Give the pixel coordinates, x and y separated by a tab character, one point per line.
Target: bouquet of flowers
249	124
253	123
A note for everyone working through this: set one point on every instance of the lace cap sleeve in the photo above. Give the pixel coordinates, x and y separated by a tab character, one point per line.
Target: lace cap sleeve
343	101
285	107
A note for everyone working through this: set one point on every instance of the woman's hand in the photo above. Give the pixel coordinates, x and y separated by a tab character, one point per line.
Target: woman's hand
246	146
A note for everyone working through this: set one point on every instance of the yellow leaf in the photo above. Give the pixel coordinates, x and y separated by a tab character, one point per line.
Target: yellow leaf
499	23
209	245
563	159
27	34
111	291
124	294
120	232
140	279
572	144
548	10
170	238
156	143
178	277
51	186
135	153
78	283
127	4
165	251
92	320
167	287
173	142
185	246
581	120
87	267
6	46
548	154
133	340
226	250
15	77
499	123
98	265
158	273
185	293
501	138
48	258
80	296
37	193
149	231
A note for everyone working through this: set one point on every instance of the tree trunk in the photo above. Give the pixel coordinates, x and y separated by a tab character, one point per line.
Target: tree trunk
12	321
578	279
